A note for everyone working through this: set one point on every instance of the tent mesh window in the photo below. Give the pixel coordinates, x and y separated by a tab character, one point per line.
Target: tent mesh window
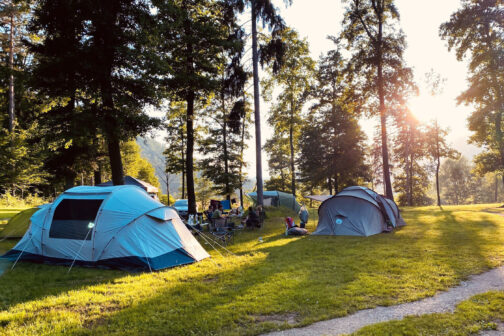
74	219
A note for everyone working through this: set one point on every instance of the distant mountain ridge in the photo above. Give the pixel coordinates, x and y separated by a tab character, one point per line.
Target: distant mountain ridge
152	151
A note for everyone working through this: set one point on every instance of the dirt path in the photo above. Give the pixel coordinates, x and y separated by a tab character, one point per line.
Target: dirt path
440	303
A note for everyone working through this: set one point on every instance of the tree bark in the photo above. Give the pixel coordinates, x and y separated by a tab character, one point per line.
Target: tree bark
191	196
70	180
116	166
438	165
184	148
257	113
168	188
97	176
292	166
226	158
242	148
383	112
496	190
11	75
437	182
113	141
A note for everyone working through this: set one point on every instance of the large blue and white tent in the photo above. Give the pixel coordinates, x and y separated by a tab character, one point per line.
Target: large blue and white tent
119	227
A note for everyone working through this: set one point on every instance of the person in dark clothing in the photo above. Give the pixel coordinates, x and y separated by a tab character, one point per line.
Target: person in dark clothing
252	218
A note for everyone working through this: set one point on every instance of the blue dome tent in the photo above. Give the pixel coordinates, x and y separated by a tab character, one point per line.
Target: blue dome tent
117	227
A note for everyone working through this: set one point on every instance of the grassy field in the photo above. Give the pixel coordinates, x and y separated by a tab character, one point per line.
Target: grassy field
280	283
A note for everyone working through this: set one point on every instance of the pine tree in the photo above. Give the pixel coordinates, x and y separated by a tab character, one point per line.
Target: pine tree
265	11
195	40
294	80
370	31
333	145
410	152
176	141
92	60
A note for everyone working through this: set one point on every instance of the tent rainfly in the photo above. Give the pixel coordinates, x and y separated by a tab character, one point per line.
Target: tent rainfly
278	198
114	227
129	180
357	211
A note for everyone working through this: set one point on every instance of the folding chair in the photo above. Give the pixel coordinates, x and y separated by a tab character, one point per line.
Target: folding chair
222	230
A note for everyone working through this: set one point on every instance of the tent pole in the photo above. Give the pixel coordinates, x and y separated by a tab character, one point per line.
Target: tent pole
80	248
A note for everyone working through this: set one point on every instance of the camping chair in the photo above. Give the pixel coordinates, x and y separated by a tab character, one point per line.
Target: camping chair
222	230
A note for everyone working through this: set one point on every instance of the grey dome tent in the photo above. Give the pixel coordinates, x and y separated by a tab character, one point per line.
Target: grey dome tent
277	198
357	211
115	227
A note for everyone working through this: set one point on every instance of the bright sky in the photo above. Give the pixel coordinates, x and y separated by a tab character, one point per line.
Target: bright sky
420	20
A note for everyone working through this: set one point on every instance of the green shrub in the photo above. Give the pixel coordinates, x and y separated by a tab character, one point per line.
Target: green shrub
8	201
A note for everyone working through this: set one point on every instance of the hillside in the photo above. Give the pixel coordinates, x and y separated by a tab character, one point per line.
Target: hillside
152	151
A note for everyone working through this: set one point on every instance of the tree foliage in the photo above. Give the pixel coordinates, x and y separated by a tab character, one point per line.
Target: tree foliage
476	31
294	80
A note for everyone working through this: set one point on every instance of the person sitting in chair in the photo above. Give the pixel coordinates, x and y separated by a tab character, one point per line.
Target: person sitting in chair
252	218
217	213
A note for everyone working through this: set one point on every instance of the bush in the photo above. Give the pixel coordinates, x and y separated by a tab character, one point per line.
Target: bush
7	200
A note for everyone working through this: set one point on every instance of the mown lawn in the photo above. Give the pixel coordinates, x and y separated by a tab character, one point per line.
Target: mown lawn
479	313
299	280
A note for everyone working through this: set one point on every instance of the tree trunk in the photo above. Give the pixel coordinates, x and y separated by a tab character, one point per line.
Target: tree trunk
184	148
496	190
191	196
257	113
336	184
226	158
329	184
70	180
116	166
242	148
438	165
408	168
11	75
97	176
168	188
383	115
113	141
292	167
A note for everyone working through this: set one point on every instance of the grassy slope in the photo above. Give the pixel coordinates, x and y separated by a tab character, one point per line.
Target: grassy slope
301	279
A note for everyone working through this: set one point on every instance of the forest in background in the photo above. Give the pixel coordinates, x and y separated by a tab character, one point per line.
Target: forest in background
78	77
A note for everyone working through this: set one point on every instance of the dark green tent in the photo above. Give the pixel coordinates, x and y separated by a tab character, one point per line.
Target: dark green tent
278	198
17	225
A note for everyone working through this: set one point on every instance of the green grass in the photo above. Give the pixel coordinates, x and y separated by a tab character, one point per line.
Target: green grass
302	279
479	313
